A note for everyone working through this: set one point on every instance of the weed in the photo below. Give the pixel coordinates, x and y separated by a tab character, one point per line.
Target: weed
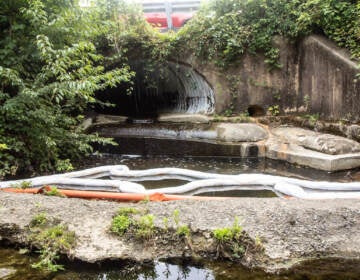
47	261
307	101
145	227
22	185
313	118
228	239
223	234
127	211
176	217
52	241
120	224
238	250
274	110
52	191
183	230
236	228
166	223
39	220
228	234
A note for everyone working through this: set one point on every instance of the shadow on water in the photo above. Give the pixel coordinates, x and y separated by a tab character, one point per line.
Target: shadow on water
20	266
220	165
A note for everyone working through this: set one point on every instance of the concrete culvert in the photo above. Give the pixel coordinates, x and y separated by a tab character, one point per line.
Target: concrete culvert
172	88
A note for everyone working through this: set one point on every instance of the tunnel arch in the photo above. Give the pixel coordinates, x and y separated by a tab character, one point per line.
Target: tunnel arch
168	88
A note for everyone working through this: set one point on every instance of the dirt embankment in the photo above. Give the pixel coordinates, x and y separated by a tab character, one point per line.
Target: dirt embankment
286	230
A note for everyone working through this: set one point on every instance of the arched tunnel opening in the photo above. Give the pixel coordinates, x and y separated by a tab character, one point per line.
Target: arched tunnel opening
171	88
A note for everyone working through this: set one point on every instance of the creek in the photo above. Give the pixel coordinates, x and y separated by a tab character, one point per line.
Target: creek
20	266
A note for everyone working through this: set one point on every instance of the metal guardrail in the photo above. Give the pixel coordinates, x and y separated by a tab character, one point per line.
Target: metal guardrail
170	6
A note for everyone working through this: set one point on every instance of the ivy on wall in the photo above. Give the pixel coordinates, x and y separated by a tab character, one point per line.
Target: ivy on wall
224	30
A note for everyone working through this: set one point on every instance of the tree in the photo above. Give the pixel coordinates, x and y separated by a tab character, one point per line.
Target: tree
49	72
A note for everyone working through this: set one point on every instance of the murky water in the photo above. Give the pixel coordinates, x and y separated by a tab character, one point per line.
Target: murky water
20	267
220	166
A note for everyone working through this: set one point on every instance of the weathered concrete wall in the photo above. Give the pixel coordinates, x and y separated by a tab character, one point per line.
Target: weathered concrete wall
315	77
251	82
328	77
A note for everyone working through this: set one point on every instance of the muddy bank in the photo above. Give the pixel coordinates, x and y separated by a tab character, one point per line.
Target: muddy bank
288	230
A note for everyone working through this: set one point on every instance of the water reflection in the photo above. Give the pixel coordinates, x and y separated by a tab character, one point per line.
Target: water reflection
326	269
221	165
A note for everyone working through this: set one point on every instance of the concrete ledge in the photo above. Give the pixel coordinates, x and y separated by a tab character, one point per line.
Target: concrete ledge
290	230
299	155
294	145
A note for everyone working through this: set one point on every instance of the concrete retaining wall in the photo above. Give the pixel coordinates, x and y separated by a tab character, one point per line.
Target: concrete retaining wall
316	77
328	77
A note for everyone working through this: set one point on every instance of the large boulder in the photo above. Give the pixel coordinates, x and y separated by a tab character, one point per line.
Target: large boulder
240	132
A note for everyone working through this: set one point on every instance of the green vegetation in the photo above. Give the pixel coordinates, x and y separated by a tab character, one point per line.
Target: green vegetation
313	118
225	29
123	220
183	230
39	220
53	191
51	239
22	185
145	227
274	110
231	243
227	234
176	217
120	224
130	222
50	67
126	222
54	57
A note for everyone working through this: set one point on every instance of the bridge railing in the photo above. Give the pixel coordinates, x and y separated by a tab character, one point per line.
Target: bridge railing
170	6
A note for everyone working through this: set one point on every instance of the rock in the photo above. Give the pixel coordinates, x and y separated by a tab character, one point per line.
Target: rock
6	272
324	143
188	118
353	132
240	132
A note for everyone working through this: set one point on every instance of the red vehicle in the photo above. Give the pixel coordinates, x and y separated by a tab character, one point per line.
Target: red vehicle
160	20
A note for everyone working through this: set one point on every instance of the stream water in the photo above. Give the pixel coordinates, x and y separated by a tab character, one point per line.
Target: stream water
220	166
16	266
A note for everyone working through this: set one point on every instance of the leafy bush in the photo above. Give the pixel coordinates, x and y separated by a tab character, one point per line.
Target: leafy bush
49	72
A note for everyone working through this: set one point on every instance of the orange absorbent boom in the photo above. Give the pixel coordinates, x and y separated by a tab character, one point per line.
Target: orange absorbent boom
113	195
